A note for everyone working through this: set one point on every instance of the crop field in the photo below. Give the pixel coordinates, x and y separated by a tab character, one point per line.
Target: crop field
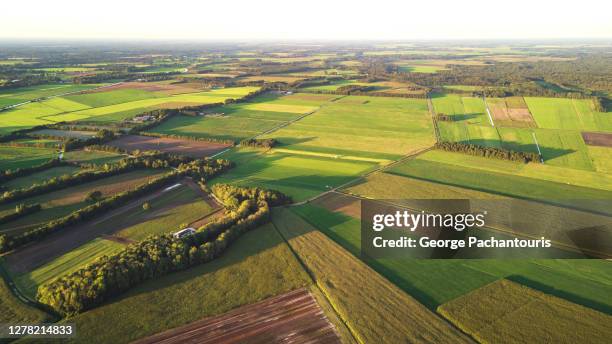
597	139
563	113
532	181
62	202
240	121
370	127
16	96
39	177
510	112
291	317
28	282
22	157
92	157
14	310
467	110
108	106
192	148
372	308
259	265
512	313
299	176
435	282
76	134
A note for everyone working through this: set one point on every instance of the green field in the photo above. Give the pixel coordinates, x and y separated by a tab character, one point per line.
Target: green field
109	106
298	176
40	177
28	283
23	94
23	157
62	202
168	213
508	312
92	157
259	265
372	127
14	310
563	113
468	110
240	121
435	282
372	308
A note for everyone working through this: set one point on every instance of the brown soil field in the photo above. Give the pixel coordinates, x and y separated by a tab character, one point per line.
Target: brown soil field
511	112
337	202
192	148
597	139
294	317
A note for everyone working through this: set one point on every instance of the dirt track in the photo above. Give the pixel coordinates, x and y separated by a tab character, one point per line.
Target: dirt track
191	148
294	317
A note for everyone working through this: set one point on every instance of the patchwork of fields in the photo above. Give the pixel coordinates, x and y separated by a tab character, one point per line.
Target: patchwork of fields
112	105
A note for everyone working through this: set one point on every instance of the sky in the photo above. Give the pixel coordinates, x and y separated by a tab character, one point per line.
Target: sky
306	19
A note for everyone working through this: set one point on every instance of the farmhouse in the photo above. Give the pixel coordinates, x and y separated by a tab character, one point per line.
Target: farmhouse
184	233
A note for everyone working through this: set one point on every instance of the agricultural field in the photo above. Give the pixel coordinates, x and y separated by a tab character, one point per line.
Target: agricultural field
241	121
13	309
435	282
12	158
192	148
16	96
109	106
509	312
92	157
259	265
368	127
40	177
466	110
62	202
570	114
299	176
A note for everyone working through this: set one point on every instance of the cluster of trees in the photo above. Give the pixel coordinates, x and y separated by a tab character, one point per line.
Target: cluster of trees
202	169
21	210
488	152
7	175
259	143
103	135
444	117
159	255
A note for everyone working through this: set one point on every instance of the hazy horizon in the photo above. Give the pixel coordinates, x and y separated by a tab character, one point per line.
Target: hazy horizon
318	20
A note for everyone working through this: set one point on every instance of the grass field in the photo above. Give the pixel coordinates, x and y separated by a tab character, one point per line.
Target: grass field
28	283
22	157
435	282
298	176
14	310
62	202
563	113
374	127
40	177
180	206
259	265
92	157
107	106
19	95
508	312
373	309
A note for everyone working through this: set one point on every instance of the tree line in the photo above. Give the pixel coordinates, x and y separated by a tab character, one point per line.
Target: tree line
259	143
488	152
21	210
160	255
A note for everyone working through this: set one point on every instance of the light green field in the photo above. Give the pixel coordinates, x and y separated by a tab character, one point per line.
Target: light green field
373	127
298	176
563	113
257	266
240	121
601	158
34	92
22	157
421	68
532	181
470	110
436	281
28	283
111	106
40	177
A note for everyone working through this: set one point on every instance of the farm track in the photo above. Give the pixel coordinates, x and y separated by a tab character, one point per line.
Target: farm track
293	317
34	255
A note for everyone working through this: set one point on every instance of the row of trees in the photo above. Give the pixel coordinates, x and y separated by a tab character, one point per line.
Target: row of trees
21	210
259	143
488	152
158	255
199	169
